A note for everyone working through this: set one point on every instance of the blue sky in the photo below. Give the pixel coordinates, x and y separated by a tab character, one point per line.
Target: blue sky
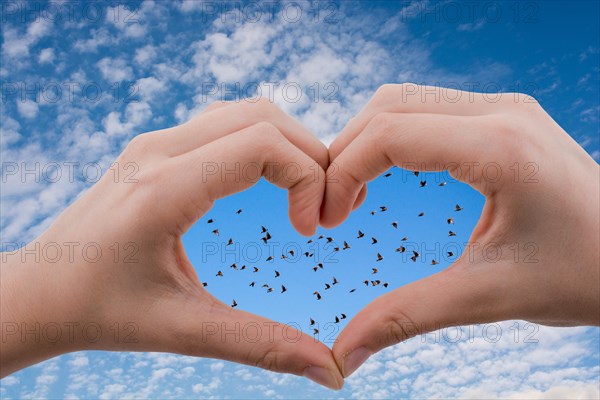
157	67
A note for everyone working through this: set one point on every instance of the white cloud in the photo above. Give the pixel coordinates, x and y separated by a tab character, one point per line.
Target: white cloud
215	383
115	69
80	360
28	108
46	56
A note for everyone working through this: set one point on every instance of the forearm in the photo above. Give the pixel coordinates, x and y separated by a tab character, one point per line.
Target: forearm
38	314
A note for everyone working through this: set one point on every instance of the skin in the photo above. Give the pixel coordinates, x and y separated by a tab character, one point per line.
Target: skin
558	213
554	214
159	292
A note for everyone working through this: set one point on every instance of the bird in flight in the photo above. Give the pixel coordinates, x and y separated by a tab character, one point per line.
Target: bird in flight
234	303
457	208
414	256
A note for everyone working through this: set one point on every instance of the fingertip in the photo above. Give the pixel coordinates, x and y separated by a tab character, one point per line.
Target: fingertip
327	377
352	360
362	195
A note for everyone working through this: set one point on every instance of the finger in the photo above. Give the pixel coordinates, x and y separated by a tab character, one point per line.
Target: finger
412	98
223	120
449	298
216	105
237	161
206	327
362	195
413	141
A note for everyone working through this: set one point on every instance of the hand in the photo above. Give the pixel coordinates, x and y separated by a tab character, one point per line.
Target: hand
555	213
159	293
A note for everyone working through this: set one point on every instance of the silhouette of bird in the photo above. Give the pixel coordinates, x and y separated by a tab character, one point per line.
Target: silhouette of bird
457	208
220	273
229	242
234	304
360	234
266	285
270	258
210	221
414	256
375	283
450	254
442	184
216	232
269	290
404	239
337	320
373	212
252	284
315	331
352	290
291	252
451	233
318	295
379	257
312	321
366	283
416	173
375	270
320	237
204	284
433	262
450	221
263	229
277	274
266	237
329	239
255	269
373	240
283	289
327	286
423	183
401	249
421	214
234	266
386	285
335	281
239	211
346	245
388	175
243	267
382	208
395	224
343	316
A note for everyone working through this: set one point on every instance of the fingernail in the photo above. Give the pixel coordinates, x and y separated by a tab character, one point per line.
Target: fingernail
354	360
322	376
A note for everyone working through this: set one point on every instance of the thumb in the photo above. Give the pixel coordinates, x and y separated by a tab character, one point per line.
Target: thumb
209	328
452	297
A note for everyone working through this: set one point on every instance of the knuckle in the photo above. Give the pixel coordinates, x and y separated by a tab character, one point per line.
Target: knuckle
267	133
382	126
387	91
268	359
263	108
139	146
508	136
399	327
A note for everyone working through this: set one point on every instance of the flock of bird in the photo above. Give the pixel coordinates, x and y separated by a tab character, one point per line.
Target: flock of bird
265	236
